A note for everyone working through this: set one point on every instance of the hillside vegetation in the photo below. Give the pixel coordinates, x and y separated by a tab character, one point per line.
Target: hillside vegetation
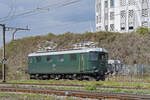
130	48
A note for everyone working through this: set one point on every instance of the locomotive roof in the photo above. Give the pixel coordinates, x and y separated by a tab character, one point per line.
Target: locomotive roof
68	52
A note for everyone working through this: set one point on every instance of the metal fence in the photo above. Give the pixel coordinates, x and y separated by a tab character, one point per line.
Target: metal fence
132	73
134	69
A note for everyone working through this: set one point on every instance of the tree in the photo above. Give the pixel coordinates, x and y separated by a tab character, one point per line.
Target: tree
142	30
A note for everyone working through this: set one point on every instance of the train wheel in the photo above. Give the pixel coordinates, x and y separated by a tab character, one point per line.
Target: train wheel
58	77
103	78
79	77
91	78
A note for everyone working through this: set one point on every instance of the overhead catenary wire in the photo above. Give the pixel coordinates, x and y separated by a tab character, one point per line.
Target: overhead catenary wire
47	9
10	11
38	10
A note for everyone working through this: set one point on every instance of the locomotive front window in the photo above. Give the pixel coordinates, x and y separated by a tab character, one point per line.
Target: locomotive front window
93	56
38	59
30	60
103	57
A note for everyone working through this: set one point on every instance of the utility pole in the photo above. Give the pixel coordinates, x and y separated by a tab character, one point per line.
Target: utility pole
15	30
4	54
4	47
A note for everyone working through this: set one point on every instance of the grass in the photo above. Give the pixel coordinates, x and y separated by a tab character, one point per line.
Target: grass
12	96
87	83
94	89
86	88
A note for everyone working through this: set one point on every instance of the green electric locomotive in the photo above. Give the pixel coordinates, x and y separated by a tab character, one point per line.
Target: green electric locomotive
87	63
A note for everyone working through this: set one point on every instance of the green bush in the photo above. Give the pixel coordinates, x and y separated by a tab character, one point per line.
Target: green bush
91	88
142	30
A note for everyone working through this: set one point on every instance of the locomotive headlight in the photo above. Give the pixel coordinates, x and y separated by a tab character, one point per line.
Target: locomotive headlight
94	67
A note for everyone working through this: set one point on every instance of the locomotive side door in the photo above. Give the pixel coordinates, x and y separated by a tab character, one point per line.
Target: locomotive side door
81	66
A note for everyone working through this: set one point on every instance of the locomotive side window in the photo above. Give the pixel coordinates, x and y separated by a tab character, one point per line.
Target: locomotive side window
73	57
61	58
49	59
93	56
38	59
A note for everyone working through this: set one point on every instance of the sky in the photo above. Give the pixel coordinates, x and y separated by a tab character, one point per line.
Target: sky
55	17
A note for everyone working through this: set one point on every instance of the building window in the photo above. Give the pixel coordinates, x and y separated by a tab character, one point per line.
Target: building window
122	2
111	3
48	59
123	14
97	19
145	12
106	16
131	2
131	13
123	28
106	4
38	59
96	28
112	27
122	20
145	24
131	19
99	28
145	4
131	28
111	15
98	7
106	27
61	58
73	57
144	1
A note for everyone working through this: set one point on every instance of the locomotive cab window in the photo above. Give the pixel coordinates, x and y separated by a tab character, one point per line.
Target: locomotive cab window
93	56
49	59
30	59
103	56
73	57
61	58
38	59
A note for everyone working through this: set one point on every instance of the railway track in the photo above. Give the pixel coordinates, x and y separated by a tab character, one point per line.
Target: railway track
81	94
61	85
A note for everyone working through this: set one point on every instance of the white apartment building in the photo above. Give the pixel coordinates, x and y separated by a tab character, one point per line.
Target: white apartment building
122	15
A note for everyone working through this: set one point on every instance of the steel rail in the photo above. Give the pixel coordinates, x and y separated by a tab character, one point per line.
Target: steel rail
81	94
38	84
